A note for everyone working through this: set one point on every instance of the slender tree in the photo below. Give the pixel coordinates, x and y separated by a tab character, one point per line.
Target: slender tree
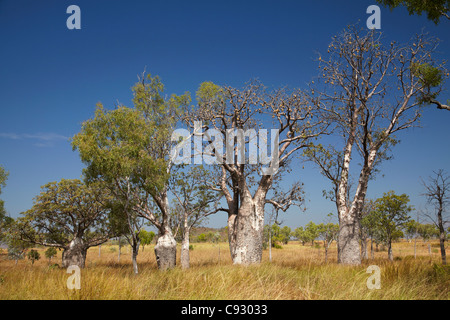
392	213
194	202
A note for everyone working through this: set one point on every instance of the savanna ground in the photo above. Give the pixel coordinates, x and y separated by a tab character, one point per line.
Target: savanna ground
296	272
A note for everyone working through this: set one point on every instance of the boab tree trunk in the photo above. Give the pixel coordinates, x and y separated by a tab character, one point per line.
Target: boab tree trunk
348	240
166	250
246	232
74	254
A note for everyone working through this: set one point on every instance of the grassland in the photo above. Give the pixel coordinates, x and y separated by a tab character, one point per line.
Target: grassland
296	272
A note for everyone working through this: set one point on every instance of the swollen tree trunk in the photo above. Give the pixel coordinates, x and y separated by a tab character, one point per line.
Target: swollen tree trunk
166	250
74	254
348	240
246	239
185	250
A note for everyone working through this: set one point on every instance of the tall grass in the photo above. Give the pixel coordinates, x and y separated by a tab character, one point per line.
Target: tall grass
296	272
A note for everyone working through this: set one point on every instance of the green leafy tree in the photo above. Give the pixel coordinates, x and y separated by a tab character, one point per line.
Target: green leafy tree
434	9
33	256
68	215
50	253
129	149
146	237
201	237
392	213
427	231
312	230
301	235
328	232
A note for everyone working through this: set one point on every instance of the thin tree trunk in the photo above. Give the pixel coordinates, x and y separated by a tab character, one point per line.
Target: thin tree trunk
270	243
441	235
390	254
120	247
134	252
185	258
371	248
364	248
415	243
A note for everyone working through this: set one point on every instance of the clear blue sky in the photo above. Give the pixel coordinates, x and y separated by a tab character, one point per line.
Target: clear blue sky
52	77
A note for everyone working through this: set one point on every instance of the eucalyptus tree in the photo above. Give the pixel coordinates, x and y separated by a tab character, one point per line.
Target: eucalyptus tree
68	215
129	149
370	90
328	232
240	118
392	214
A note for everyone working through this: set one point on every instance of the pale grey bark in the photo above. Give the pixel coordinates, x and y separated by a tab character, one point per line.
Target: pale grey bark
166	250
184	255
74	254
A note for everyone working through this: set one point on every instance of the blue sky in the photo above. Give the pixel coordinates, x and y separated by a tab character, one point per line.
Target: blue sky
52	77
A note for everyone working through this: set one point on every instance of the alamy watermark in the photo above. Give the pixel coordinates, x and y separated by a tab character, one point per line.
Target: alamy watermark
74	281
374	281
229	148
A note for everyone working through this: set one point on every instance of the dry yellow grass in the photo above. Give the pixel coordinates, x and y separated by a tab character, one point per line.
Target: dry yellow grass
296	272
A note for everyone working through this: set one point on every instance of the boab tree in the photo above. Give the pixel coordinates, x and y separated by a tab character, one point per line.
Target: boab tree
237	117
67	215
369	90
129	150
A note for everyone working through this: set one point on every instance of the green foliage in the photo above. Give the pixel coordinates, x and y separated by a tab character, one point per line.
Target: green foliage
328	232
427	231
434	9
65	210
391	213
50	253
33	256
146	237
201	237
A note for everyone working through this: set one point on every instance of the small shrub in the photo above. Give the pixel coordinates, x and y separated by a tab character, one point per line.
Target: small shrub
54	266
191	247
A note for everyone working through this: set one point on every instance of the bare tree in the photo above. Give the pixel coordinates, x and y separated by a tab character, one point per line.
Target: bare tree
369	90
438	193
237	114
